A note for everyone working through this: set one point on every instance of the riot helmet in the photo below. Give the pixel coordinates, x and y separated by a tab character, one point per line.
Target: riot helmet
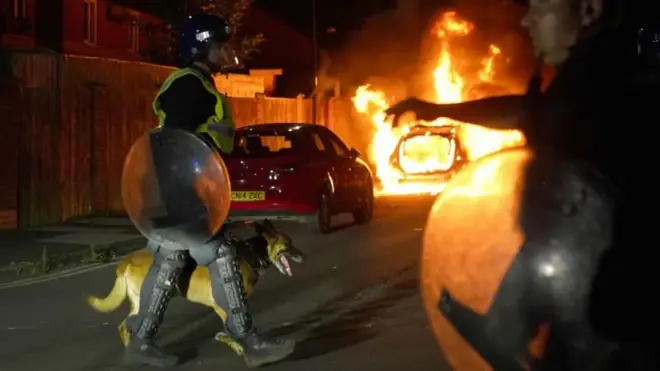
206	39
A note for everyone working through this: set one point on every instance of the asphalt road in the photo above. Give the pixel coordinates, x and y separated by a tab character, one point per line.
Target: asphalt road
353	305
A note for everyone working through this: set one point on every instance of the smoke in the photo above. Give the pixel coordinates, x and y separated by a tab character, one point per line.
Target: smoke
384	50
395	50
498	23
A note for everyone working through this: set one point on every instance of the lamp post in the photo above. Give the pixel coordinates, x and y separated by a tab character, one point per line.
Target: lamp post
315	61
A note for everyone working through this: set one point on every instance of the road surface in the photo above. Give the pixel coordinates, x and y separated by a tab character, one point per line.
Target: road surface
353	305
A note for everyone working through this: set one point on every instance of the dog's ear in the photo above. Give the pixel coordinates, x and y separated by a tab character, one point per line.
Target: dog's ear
259	228
268	225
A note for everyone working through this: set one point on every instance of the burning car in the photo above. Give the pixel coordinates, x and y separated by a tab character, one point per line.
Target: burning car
431	154
409	159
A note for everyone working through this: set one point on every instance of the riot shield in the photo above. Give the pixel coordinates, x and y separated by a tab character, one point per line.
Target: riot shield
476	230
175	188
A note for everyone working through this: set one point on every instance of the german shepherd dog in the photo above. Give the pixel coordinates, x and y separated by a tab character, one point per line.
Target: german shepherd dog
268	247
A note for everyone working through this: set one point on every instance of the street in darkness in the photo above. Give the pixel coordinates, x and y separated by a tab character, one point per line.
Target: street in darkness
352	305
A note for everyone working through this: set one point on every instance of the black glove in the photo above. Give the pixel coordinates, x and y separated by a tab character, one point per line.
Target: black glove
423	110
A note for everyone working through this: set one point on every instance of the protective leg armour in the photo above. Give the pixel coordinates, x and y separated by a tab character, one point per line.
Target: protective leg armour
229	294
157	290
163	290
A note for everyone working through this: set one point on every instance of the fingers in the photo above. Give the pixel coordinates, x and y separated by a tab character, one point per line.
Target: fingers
395	112
390	112
392	116
396	119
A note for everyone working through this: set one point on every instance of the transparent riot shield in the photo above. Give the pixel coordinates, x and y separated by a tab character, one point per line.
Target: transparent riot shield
175	188
477	228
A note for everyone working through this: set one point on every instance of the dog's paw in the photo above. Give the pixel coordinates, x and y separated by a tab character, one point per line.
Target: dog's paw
223	337
124	334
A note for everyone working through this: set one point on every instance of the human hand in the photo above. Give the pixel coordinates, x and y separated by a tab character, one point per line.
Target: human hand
423	110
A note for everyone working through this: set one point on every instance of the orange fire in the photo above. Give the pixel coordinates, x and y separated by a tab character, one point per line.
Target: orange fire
449	87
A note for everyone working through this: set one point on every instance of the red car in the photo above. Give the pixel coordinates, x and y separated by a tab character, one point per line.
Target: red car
297	172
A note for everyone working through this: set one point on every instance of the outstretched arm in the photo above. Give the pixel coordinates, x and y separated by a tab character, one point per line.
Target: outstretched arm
503	112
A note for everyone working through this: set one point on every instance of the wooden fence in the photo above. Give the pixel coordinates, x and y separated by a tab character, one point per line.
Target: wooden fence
69	121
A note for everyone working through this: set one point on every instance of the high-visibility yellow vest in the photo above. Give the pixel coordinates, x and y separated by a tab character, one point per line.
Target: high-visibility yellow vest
219	127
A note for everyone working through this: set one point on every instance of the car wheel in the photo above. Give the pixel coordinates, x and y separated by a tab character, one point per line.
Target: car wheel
320	222
366	211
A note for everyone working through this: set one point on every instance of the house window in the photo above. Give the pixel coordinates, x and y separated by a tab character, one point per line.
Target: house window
135	35
90	22
18	9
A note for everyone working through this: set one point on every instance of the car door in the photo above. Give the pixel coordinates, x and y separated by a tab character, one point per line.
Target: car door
324	161
341	168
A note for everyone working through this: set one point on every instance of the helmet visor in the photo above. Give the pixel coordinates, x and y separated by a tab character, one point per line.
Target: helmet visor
224	56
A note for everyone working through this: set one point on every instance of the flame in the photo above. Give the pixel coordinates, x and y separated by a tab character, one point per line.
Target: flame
449	87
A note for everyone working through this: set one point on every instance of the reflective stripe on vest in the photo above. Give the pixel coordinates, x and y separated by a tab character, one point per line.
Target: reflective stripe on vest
220	127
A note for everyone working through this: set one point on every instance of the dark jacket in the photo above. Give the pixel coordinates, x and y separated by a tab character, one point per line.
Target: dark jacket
584	110
187	103
589	112
602	112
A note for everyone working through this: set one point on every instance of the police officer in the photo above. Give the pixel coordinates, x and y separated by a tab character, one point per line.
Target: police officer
188	100
594	119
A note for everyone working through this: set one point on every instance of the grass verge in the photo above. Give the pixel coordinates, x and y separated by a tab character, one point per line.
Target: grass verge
51	262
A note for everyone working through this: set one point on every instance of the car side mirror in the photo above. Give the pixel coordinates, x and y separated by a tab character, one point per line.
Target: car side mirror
354	153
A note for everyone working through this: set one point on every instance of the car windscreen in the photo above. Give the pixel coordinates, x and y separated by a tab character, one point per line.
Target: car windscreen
265	144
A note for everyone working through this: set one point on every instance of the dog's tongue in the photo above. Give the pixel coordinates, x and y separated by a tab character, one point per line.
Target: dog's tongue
284	263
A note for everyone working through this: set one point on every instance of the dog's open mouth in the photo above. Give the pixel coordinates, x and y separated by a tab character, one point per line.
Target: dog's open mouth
283	265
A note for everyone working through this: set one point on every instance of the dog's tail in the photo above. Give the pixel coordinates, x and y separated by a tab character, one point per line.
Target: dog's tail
116	296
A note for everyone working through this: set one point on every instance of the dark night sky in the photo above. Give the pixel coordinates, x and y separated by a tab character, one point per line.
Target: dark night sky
334	18
340	15
298	13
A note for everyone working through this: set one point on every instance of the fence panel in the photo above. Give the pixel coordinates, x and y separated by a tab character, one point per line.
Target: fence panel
70	129
74	153
244	111
40	187
131	119
278	110
11	113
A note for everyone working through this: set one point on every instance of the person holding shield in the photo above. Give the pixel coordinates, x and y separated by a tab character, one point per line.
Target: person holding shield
184	214
532	256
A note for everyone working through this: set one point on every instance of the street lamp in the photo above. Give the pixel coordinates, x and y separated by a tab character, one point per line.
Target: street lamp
315	60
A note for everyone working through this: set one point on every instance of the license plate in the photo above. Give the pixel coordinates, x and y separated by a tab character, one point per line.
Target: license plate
247	196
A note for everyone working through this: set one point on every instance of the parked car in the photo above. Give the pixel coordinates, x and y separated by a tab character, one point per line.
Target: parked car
296	172
436	145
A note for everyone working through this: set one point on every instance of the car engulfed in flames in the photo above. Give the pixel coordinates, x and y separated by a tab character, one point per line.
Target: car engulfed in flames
429	155
413	158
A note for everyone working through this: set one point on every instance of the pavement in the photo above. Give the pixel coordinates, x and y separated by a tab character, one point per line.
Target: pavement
25	253
353	305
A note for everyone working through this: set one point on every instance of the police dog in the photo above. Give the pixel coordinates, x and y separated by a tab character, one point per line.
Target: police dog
268	247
